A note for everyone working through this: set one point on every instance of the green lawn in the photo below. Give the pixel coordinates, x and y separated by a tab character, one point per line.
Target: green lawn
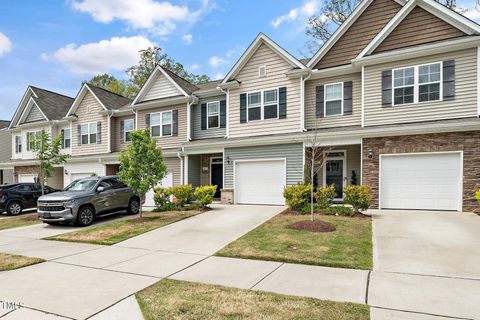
12	261
116	231
27	219
350	246
171	299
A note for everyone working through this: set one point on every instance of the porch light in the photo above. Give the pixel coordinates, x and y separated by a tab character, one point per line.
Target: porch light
66	172
370	153
227	160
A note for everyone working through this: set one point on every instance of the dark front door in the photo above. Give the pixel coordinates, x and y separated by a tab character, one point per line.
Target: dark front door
334	175
217	175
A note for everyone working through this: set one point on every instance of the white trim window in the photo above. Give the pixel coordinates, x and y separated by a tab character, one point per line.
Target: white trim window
32	136
213	114
128	126
67	138
270	104
254	106
88	133
419	83
333	99
18	144
161	124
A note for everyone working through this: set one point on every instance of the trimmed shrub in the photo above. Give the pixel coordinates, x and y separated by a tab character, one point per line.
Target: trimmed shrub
339	210
161	197
182	194
204	195
296	196
477	195
325	195
359	197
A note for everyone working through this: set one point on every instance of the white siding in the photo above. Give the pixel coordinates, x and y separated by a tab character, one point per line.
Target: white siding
23	133
464	105
160	88
34	115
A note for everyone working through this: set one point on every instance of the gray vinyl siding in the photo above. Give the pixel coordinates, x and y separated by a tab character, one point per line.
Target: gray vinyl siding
293	153
194	170
197	132
34	115
6	145
353	163
464	104
174	166
8	176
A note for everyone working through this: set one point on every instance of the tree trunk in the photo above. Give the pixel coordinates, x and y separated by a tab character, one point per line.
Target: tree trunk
312	175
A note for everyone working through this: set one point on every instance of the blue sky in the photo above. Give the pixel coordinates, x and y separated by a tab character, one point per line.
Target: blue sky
56	44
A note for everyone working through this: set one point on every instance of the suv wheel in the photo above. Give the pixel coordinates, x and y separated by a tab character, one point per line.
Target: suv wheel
85	216
14	208
133	206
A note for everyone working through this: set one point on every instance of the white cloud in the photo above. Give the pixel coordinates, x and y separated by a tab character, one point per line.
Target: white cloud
159	18
5	44
219	76
115	54
216	61
195	66
188	38
308	9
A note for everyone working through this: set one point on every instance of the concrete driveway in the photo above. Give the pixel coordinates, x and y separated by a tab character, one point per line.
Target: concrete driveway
427	243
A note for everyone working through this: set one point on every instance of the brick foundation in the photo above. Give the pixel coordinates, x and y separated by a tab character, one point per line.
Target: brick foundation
25	170
468	142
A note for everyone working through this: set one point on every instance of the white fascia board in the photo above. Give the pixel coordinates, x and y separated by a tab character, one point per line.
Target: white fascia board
28	107
423	50
339	33
261	38
147	84
99	101
77	100
21	107
161	103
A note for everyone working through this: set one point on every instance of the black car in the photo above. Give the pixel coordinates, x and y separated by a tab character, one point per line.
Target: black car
14	198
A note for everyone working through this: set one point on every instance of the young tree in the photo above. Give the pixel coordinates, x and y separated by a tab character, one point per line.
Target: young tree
141	164
48	153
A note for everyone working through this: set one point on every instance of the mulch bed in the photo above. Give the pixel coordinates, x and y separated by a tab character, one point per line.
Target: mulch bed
314	226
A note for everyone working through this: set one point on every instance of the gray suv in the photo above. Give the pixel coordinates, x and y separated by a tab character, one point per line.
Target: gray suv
84	199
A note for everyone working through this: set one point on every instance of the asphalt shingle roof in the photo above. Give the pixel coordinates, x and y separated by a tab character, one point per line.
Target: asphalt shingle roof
4	124
110	100
54	105
184	84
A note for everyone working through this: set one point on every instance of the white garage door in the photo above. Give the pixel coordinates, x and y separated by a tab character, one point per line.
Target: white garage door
421	181
260	182
27	178
166	183
77	176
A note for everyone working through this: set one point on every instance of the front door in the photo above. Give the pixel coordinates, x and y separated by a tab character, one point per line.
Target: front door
216	178
335	172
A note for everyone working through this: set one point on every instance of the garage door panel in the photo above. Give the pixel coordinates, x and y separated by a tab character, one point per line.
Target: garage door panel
425	181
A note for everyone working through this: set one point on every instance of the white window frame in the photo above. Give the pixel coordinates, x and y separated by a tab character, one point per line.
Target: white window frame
70	138
161	124
89	133
325	100
417	84
262	104
18	146
35	134
125	131
213	115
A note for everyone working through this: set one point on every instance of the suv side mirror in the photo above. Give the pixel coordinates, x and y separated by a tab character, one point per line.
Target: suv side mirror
100	189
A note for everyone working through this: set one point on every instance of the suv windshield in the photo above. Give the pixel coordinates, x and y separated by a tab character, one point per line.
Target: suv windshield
81	185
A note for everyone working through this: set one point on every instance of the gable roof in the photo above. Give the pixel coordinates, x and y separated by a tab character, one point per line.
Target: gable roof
107	99
367	19
252	48
447	15
182	83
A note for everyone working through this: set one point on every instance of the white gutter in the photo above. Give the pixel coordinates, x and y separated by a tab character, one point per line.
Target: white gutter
227	94
302	101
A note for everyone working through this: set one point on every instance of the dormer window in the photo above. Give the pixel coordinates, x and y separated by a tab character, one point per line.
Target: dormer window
262	71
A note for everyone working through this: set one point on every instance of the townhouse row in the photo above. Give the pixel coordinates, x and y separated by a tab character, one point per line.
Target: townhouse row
392	98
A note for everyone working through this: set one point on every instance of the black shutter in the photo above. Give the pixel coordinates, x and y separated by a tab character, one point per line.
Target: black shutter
319	101
282	102
122	131
243	108
99	132
203	115
79	135
386	88
62	133
174	122
448	79
223	114
147	120
347	98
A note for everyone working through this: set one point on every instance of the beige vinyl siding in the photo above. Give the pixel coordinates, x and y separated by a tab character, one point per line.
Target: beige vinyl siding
197	132
174	166
462	106
83	118
251	82
353	163
161	88
311	121
34	115
116	132
168	142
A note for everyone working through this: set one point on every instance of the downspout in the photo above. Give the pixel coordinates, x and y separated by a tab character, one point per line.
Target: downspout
189	116
227	111
181	167
302	100
110	115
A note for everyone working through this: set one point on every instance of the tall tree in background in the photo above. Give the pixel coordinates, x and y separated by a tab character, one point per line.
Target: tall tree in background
334	12
138	74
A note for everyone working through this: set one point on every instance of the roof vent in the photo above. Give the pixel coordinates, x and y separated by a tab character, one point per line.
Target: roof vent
262	71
